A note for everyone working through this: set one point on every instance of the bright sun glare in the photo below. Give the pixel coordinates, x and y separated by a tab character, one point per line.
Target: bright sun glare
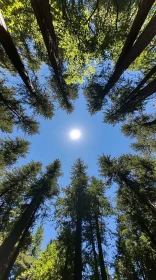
75	134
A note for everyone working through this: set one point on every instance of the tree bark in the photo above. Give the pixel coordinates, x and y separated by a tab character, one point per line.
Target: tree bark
143	94
144	80
134	187
94	251
150	270
151	123
9	243
42	12
11	51
145	229
101	259
144	39
135	28
78	243
15	254
66	274
5	191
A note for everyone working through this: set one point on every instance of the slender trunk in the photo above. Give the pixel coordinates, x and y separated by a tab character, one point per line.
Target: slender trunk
65	273
73	5
150	269
145	229
11	51
143	94
4	217
151	123
134	187
78	243
15	254
136	26
5	191
9	243
101	259
11	107
142	223
144	80
94	251
42	12
65	270
144	39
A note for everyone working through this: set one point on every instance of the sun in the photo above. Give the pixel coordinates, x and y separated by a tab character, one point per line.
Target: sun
75	134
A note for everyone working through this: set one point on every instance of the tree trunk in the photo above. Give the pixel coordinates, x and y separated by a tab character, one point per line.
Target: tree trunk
42	12
101	259
9	243
151	123
11	51
143	94
78	243
144	39
139	218
94	251
146	230
12	107
134	187
65	270
4	192
150	269
136	26
145	79
15	254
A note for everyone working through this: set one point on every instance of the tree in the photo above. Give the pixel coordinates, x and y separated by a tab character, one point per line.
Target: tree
134	101
78	44
44	188
29	251
143	129
136	26
47	266
12	52
13	113
77	189
20	178
132	49
80	215
98	209
32	94
144	80
140	184
137	261
16	251
45	22
11	150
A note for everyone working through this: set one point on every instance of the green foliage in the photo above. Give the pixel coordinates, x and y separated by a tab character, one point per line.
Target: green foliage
86	35
11	150
30	251
13	113
143	130
37	240
47	266
137	261
82	200
14	189
135	220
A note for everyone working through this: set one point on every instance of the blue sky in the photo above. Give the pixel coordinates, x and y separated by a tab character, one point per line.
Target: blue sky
54	142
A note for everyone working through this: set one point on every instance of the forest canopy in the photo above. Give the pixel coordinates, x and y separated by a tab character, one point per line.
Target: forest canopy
51	54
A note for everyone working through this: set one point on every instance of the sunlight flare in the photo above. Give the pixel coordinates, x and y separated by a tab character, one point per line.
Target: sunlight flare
75	134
